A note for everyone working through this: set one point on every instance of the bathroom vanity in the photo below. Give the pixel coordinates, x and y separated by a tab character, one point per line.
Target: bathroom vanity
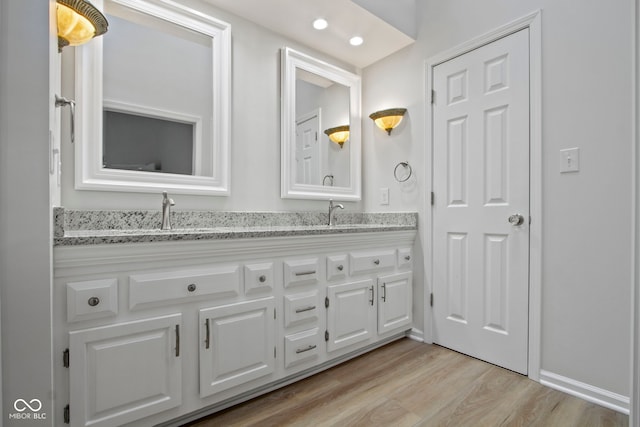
161	327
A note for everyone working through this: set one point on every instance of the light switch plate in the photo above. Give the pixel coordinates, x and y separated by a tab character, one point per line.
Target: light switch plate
570	160
384	196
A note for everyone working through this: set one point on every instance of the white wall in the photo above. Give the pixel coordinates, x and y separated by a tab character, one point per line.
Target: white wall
587	89
25	213
255	131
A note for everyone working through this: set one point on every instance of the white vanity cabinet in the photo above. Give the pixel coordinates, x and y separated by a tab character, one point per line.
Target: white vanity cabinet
237	344
125	372
161	333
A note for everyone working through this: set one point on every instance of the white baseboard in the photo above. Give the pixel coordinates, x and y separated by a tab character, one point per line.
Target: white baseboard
416	335
596	395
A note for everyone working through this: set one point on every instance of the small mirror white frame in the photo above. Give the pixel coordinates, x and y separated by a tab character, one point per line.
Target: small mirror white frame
89	171
291	62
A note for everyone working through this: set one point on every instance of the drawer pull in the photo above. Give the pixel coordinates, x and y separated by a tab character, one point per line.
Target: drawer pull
207	339
376	261
305	273
191	287
302	310
177	340
302	350
408	257
340	267
93	301
262	278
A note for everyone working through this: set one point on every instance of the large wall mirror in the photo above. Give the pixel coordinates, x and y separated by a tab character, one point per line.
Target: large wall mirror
319	100
153	101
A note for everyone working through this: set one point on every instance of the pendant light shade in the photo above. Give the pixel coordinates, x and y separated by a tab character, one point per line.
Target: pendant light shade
388	119
78	22
338	134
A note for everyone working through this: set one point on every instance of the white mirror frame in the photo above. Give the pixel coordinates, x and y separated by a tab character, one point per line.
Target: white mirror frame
89	172
292	60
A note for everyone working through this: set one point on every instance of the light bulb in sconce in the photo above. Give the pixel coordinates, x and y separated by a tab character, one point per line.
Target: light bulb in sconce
338	134
389	119
78	22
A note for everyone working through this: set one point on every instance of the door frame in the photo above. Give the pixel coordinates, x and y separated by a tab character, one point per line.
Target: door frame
531	21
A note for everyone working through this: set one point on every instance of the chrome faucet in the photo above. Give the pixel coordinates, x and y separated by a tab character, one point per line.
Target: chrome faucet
333	207
166	211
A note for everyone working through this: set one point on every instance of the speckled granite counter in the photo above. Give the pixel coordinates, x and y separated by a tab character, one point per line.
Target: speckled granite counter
74	227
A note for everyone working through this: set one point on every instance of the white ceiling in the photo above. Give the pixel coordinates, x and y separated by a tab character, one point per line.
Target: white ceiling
293	19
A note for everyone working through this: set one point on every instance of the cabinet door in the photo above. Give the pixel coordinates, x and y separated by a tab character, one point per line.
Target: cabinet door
351	314
125	372
237	344
395	297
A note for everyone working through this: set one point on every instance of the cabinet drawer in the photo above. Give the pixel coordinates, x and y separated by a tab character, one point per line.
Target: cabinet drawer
258	277
405	257
171	286
300	308
337	266
301	272
366	261
92	299
301	347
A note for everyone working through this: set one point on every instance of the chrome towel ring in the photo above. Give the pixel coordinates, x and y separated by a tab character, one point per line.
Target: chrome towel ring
406	167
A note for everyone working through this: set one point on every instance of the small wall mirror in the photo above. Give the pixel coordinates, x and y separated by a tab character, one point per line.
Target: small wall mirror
153	101
321	122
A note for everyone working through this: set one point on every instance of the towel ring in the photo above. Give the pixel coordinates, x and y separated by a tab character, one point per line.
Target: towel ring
406	166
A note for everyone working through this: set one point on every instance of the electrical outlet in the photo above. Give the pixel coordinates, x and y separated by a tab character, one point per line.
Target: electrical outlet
384	196
570	160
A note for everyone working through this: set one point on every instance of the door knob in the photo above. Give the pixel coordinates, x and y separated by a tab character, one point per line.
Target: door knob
516	219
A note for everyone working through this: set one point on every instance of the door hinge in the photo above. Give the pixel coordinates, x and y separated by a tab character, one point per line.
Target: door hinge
431	299
65	358
326	302
433	198
433	96
326	335
274	313
274	352
65	415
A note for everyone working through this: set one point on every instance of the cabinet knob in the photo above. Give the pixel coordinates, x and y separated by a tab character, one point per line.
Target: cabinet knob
191	287
408	257
262	278
376	262
93	301
340	267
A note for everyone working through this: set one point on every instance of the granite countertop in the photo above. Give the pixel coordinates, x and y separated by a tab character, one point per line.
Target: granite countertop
75	227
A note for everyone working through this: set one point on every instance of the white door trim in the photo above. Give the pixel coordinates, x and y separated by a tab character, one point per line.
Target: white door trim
533	23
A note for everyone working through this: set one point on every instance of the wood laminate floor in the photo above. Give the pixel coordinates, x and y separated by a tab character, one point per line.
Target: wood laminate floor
407	383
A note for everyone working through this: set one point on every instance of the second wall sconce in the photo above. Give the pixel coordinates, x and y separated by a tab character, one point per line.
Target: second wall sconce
388	119
338	134
78	22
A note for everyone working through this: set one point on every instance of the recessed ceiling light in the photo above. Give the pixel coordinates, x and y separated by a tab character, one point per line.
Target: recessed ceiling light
356	41
320	24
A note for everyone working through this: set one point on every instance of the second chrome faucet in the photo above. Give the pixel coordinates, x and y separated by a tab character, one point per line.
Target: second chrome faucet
333	207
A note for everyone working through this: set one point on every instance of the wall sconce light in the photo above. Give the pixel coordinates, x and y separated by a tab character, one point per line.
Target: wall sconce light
78	22
388	119
338	134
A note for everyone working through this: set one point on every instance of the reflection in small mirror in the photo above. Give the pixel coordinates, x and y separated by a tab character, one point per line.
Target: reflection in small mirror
320	104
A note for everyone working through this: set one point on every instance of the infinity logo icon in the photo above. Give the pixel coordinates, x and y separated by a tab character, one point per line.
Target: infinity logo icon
21	405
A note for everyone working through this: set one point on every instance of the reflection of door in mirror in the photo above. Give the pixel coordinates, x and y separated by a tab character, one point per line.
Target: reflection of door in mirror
323	158
157	95
308	148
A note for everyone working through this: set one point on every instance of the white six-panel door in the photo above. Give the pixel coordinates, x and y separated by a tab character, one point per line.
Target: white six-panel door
481	181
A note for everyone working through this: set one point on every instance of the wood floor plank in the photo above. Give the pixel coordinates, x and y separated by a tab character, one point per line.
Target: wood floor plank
407	383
